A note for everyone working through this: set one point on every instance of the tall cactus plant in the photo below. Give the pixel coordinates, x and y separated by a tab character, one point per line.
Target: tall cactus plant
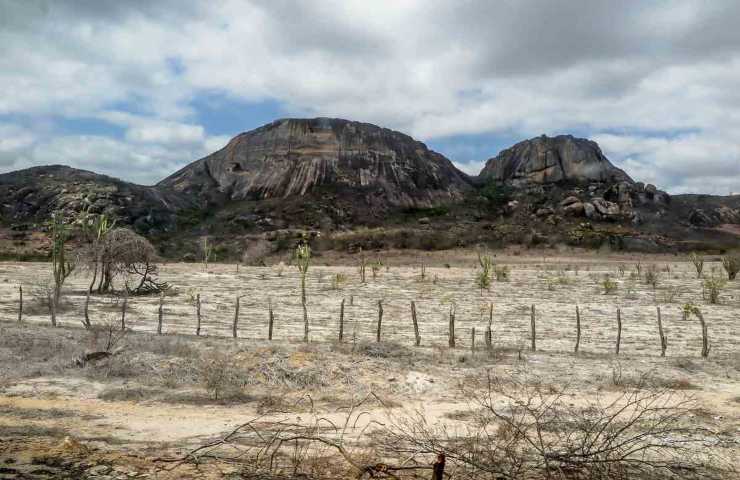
62	266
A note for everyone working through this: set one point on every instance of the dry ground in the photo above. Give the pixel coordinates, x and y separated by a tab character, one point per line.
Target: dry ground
155	397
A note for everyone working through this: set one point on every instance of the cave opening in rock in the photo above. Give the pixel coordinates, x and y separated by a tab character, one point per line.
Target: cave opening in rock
235	167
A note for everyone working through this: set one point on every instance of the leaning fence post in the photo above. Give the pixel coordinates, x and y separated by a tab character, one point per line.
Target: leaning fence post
86	313
417	337
452	326
578	329
20	303
123	311
380	320
704	334
619	330
533	327
160	314
236	318
197	315
341	321
270	319
663	341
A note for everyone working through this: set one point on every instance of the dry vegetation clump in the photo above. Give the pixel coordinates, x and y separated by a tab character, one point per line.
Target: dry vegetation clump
515	428
382	349
608	285
712	288
731	264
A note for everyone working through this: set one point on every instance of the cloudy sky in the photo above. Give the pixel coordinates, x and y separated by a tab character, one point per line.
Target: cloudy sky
137	89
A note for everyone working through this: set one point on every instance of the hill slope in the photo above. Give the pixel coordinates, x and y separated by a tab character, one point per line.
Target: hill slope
292	157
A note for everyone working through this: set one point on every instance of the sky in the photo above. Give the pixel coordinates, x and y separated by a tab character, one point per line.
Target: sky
137	89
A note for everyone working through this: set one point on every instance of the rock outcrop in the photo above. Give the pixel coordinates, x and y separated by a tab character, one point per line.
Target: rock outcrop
553	159
292	157
31	195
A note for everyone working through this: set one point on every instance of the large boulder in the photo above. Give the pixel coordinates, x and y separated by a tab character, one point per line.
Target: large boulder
553	159
292	157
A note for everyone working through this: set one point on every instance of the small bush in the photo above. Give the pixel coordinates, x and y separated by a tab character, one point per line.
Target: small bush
712	288
652	276
731	264
338	280
502	273
609	285
698	263
218	374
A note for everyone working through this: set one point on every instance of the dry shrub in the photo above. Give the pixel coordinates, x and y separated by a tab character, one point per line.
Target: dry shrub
383	349
218	374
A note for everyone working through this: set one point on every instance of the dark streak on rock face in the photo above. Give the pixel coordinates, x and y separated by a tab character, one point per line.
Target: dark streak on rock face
294	156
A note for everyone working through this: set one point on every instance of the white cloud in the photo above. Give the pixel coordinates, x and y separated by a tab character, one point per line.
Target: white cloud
430	68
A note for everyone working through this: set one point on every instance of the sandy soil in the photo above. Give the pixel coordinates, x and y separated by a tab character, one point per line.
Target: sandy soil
45	398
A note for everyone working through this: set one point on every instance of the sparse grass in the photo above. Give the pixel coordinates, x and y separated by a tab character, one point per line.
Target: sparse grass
502	273
608	285
712	288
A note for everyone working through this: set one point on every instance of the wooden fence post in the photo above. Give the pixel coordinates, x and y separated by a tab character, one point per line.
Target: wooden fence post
52	310
270	319
704	334
20	303
417	337
663	341
341	321
472	339
489	329
533	328
197	314
236	318
380	320
578	329
123	311
160	313
619	330
86	313
452	326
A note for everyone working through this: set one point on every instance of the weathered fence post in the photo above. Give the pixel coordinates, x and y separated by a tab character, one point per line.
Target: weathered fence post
123	311
663	341
52	310
236	318
452	326
86	313
270	319
489	329
619	330
472	339
160	313
438	468
417	337
197	315
341	321
578	329
380	320
533	328
704	334
20	303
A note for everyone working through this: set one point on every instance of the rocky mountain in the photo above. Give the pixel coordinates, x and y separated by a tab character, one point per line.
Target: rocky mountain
553	159
295	177
292	157
30	196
